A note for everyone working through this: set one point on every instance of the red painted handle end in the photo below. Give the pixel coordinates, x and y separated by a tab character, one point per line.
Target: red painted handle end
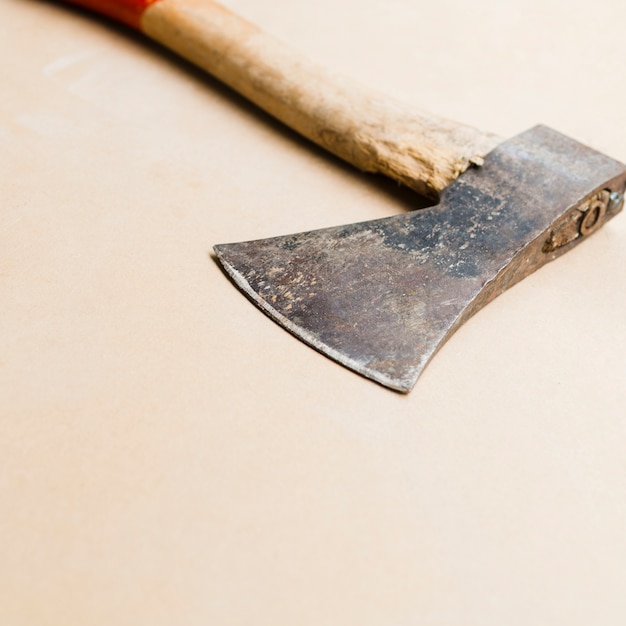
126	11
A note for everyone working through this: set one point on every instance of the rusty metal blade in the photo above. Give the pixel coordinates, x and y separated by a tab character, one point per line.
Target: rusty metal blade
381	297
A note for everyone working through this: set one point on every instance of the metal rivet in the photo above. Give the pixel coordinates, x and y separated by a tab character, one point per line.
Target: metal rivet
615	199
592	218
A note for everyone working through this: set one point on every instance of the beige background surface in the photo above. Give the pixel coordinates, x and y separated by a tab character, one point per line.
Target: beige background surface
170	456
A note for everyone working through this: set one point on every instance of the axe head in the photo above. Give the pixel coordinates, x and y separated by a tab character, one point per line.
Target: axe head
381	297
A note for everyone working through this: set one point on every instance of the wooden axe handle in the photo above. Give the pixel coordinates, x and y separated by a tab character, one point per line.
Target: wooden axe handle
370	131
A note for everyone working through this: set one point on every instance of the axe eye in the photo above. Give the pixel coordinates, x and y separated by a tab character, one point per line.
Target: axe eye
584	219
592	218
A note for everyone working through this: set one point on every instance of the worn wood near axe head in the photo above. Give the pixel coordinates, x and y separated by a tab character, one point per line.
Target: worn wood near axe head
381	297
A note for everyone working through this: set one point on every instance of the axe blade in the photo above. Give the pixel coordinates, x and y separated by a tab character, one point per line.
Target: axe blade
381	297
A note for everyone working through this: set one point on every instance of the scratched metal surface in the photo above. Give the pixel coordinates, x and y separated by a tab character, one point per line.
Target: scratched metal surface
382	297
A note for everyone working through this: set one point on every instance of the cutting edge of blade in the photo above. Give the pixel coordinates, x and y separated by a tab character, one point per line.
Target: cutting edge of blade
403	385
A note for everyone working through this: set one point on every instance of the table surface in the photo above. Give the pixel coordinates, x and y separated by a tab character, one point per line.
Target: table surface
168	455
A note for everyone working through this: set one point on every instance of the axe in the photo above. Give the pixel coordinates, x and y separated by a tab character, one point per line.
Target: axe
381	297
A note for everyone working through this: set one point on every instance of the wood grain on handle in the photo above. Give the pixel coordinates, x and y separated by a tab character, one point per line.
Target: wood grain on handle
370	131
